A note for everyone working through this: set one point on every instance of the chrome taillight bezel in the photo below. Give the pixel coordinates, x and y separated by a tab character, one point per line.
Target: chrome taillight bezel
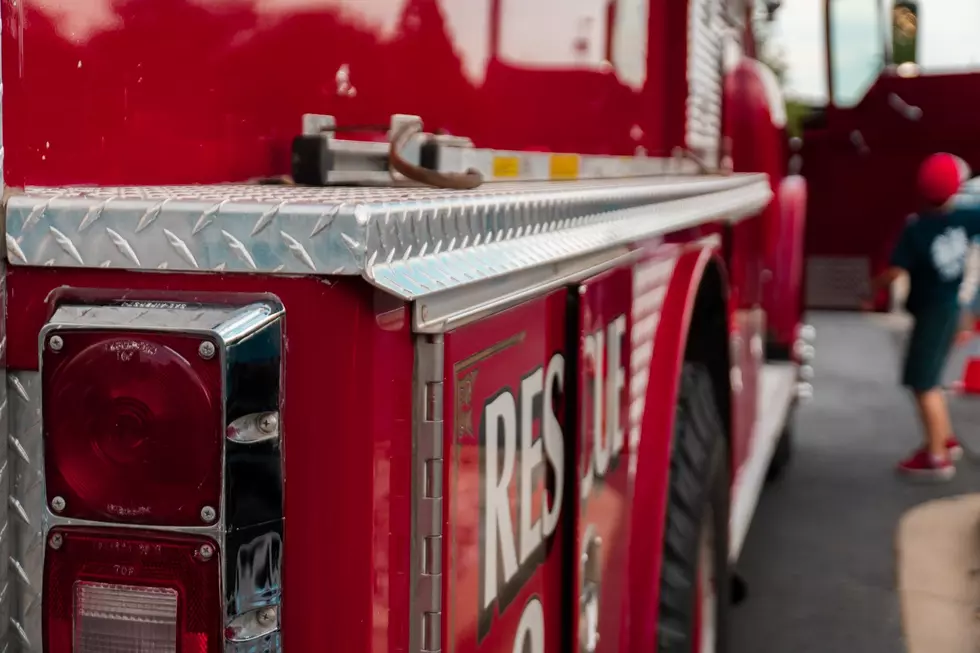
249	529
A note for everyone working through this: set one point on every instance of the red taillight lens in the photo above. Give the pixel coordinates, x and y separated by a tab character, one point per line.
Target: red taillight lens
133	428
108	591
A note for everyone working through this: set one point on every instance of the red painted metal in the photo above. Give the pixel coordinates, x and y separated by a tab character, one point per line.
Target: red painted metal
347	437
501	358
200	92
603	484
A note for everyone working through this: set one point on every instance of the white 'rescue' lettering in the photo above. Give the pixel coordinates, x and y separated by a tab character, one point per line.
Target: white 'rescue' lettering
554	445
529	637
500	420
508	432
604	349
530	536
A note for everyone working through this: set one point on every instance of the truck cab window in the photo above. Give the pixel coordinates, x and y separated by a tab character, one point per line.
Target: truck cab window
791	41
945	36
630	33
857	48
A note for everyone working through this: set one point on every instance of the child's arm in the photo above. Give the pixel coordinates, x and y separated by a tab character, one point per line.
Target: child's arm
966	327
971	275
899	263
881	282
967	211
968	294
886	278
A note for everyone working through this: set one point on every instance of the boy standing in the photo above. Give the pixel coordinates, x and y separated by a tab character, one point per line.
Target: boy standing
932	250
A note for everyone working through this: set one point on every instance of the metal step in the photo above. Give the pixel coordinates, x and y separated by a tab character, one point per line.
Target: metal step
411	241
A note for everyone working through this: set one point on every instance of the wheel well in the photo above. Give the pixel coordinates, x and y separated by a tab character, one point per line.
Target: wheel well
707	340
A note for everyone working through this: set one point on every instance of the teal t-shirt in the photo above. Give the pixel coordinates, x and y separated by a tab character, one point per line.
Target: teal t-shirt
933	249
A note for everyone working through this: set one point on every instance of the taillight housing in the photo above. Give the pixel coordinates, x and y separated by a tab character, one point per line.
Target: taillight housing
132	427
163	477
111	590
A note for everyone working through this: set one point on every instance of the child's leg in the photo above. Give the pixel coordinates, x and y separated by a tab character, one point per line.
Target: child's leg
935	421
924	361
933	461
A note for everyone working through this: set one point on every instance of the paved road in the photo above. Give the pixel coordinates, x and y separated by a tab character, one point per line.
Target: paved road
820	556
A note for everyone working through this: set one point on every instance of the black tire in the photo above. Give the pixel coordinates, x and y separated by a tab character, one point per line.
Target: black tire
699	486
783	454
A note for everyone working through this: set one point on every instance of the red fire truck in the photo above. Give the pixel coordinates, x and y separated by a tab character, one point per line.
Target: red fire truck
390	325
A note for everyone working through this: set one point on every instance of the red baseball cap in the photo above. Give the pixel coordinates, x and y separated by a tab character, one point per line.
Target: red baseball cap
940	177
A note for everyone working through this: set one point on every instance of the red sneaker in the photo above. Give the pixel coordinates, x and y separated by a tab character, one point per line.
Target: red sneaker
924	466
954	448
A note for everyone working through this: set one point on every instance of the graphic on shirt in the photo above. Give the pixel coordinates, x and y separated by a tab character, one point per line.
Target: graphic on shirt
949	251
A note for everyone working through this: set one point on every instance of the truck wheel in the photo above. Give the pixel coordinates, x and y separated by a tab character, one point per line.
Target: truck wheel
783	454
694	582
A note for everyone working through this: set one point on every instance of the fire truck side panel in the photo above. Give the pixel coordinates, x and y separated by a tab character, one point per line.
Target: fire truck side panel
509	449
696	283
620	455
603	432
347	443
203	92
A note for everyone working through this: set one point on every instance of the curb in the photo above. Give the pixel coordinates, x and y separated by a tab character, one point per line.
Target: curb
938	569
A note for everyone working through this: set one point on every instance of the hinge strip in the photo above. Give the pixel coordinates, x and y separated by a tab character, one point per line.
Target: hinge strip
425	630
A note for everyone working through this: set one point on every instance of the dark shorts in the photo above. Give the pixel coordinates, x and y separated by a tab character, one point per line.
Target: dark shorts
929	345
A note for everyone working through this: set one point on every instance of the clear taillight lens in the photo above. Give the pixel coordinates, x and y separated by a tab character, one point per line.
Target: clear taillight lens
133	428
124	619
131	592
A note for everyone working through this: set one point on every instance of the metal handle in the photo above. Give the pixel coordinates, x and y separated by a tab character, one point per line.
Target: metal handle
857	139
906	110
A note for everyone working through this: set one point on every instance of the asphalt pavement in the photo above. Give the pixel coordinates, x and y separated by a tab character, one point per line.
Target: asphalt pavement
820	558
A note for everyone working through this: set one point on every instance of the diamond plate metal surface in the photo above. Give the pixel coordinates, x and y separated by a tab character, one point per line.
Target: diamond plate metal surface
23	542
10	621
321	231
7	528
565	240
